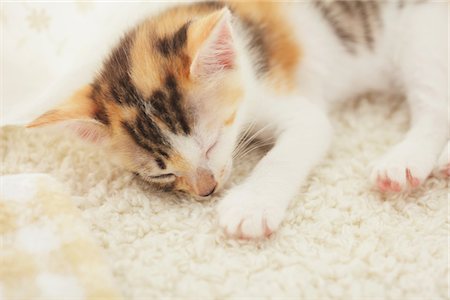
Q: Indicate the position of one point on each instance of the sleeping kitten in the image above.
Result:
(173, 97)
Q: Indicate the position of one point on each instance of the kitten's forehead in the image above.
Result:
(139, 76)
(154, 57)
(146, 79)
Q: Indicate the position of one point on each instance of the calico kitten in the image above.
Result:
(174, 95)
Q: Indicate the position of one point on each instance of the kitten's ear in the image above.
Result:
(78, 114)
(211, 45)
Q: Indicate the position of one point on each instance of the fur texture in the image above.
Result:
(174, 95)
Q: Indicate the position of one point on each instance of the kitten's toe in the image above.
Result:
(396, 172)
(256, 226)
(244, 217)
(395, 181)
(386, 184)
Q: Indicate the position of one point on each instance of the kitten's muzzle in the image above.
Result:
(209, 193)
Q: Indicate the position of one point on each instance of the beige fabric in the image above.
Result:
(47, 251)
(341, 239)
(51, 48)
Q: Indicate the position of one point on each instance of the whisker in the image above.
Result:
(245, 143)
(243, 137)
(256, 144)
(252, 149)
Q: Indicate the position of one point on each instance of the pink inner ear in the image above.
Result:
(89, 132)
(225, 53)
(217, 55)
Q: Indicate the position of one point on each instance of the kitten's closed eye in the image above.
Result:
(210, 149)
(163, 176)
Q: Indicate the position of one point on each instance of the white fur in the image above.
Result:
(409, 56)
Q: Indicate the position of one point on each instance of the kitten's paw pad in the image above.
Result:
(244, 217)
(396, 173)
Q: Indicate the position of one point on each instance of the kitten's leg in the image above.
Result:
(408, 164)
(411, 161)
(256, 208)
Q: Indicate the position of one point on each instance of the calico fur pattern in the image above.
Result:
(174, 95)
(166, 102)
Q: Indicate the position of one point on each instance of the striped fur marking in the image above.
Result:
(136, 137)
(355, 23)
(175, 98)
(101, 113)
(161, 110)
(117, 73)
(174, 44)
(257, 42)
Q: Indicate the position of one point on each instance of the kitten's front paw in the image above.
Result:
(242, 214)
(400, 170)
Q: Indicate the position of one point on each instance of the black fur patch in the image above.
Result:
(159, 103)
(258, 43)
(174, 44)
(355, 23)
(213, 5)
(136, 137)
(175, 98)
(117, 73)
(329, 12)
(101, 114)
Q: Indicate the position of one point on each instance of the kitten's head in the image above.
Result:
(166, 103)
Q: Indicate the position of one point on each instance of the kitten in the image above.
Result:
(173, 97)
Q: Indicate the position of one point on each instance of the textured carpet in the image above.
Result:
(341, 238)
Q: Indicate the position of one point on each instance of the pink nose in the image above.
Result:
(205, 182)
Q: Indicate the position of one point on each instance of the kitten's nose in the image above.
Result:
(210, 192)
(206, 183)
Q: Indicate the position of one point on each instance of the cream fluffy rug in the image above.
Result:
(341, 238)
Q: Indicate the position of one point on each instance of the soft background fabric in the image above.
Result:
(51, 49)
(47, 252)
(341, 238)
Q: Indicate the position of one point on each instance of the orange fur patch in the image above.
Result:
(283, 50)
(200, 30)
(145, 67)
(231, 119)
(80, 106)
(179, 163)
